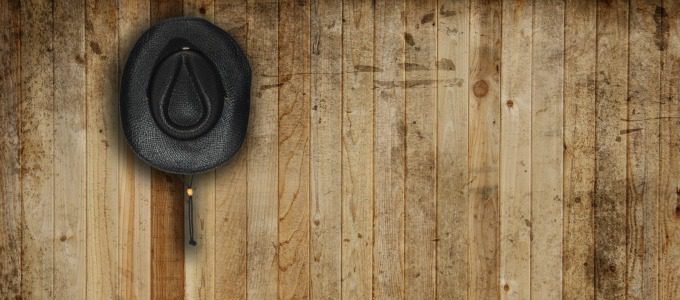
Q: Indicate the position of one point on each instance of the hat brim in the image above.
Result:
(146, 138)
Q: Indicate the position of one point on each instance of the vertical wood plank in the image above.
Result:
(10, 186)
(610, 157)
(294, 118)
(453, 42)
(421, 111)
(390, 150)
(37, 146)
(516, 163)
(231, 184)
(668, 33)
(579, 148)
(167, 206)
(199, 260)
(70, 190)
(642, 135)
(357, 149)
(547, 148)
(262, 265)
(103, 240)
(325, 149)
(484, 147)
(135, 176)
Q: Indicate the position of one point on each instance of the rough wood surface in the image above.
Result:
(397, 149)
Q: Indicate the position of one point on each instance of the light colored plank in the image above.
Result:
(10, 187)
(325, 150)
(135, 176)
(37, 149)
(103, 223)
(579, 149)
(484, 148)
(231, 185)
(262, 265)
(669, 156)
(70, 199)
(547, 148)
(516, 163)
(642, 135)
(453, 44)
(199, 260)
(167, 206)
(420, 85)
(610, 157)
(390, 150)
(357, 149)
(293, 151)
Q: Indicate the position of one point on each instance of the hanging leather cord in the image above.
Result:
(190, 194)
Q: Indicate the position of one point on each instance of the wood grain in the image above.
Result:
(580, 56)
(390, 150)
(547, 147)
(37, 148)
(70, 173)
(484, 148)
(263, 255)
(231, 184)
(357, 149)
(453, 41)
(10, 186)
(326, 61)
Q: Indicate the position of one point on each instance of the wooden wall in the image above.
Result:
(450, 149)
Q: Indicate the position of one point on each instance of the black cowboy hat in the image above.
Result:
(185, 96)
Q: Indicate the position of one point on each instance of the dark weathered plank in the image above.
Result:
(10, 188)
(453, 41)
(547, 148)
(644, 74)
(484, 147)
(579, 148)
(294, 117)
(262, 265)
(231, 184)
(610, 157)
(667, 22)
(325, 150)
(390, 150)
(357, 149)
(37, 148)
(167, 207)
(70, 173)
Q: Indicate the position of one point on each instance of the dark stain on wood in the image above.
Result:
(413, 67)
(446, 64)
(95, 48)
(446, 13)
(409, 39)
(365, 68)
(427, 18)
(662, 27)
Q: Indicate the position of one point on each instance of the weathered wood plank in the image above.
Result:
(453, 43)
(231, 184)
(579, 149)
(37, 146)
(70, 173)
(294, 118)
(262, 265)
(325, 149)
(644, 74)
(547, 148)
(484, 148)
(390, 150)
(667, 31)
(167, 206)
(357, 149)
(199, 260)
(103, 236)
(134, 175)
(10, 186)
(420, 83)
(610, 156)
(515, 161)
